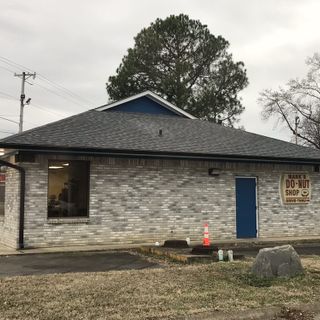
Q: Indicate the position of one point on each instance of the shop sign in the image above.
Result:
(295, 188)
(2, 178)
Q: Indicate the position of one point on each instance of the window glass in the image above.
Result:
(68, 189)
(2, 192)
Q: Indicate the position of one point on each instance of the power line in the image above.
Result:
(11, 132)
(8, 95)
(58, 90)
(45, 109)
(45, 79)
(57, 94)
(4, 68)
(56, 86)
(64, 89)
(16, 122)
(3, 118)
(14, 64)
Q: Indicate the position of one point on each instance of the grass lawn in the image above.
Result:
(162, 293)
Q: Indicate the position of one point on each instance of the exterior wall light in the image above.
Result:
(215, 172)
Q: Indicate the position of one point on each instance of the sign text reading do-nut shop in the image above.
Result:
(295, 188)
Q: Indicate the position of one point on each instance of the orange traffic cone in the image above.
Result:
(206, 241)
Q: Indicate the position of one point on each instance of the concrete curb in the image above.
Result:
(6, 251)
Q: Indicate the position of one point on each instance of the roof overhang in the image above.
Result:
(157, 154)
(153, 97)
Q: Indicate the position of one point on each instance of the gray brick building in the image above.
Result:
(141, 170)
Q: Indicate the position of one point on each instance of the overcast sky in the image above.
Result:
(78, 44)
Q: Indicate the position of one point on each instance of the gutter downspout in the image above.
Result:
(22, 199)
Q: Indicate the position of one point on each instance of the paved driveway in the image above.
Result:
(30, 264)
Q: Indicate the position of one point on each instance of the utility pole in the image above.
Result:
(24, 76)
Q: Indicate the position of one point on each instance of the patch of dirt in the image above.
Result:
(294, 314)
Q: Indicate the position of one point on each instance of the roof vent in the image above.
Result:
(160, 132)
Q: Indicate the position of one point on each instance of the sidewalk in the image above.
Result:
(238, 243)
(257, 242)
(7, 251)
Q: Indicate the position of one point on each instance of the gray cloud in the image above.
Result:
(78, 44)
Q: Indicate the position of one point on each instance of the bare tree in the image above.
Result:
(300, 98)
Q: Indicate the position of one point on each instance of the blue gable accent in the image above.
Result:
(143, 105)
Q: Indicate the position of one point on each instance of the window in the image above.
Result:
(2, 193)
(68, 189)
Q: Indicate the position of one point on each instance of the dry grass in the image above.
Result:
(151, 294)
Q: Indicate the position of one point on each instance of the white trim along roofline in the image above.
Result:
(152, 96)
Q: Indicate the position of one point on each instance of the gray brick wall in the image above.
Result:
(277, 220)
(139, 201)
(9, 223)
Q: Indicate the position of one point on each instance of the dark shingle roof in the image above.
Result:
(140, 132)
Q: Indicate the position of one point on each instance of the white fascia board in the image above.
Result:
(152, 96)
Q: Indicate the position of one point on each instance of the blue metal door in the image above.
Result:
(246, 207)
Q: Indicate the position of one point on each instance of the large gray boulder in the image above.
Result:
(282, 261)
